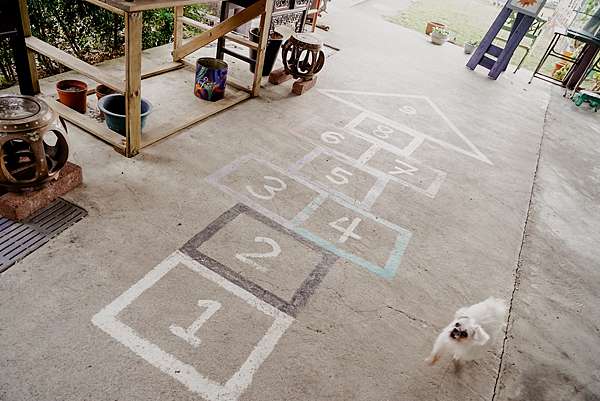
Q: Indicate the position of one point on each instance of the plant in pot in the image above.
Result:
(561, 73)
(470, 46)
(433, 24)
(439, 36)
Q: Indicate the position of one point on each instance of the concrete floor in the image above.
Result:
(432, 164)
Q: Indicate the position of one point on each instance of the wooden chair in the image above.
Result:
(531, 37)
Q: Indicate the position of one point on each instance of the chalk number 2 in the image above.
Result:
(273, 253)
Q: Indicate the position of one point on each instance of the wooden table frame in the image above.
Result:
(131, 85)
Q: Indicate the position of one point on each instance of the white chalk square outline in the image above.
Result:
(381, 179)
(404, 235)
(431, 191)
(186, 374)
(418, 137)
(217, 177)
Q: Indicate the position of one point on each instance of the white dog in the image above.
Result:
(474, 327)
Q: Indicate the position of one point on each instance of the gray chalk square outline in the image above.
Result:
(302, 294)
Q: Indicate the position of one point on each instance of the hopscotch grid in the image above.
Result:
(391, 266)
(301, 295)
(418, 138)
(369, 199)
(215, 180)
(107, 321)
(430, 192)
(375, 192)
(475, 153)
(305, 214)
(393, 262)
(369, 154)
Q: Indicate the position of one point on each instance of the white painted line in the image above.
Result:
(189, 334)
(375, 192)
(309, 157)
(474, 152)
(216, 178)
(368, 155)
(308, 210)
(417, 140)
(413, 146)
(186, 374)
(364, 203)
(402, 240)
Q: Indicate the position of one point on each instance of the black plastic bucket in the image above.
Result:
(271, 53)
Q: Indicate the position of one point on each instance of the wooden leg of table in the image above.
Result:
(178, 28)
(265, 28)
(24, 57)
(133, 77)
(221, 41)
(316, 15)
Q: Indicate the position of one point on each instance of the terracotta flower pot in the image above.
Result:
(101, 91)
(73, 94)
(431, 25)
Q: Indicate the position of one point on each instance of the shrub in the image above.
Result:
(86, 31)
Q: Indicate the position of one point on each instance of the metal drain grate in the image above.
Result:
(18, 240)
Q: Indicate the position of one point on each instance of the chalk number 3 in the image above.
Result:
(278, 186)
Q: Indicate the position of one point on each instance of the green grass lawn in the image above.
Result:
(468, 20)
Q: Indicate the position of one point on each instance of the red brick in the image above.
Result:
(19, 206)
(301, 86)
(279, 76)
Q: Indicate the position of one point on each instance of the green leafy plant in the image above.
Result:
(88, 32)
(561, 73)
(441, 31)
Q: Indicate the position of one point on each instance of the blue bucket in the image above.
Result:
(113, 107)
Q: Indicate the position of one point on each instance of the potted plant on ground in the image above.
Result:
(73, 94)
(439, 36)
(431, 25)
(470, 46)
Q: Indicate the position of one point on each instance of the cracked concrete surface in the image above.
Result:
(360, 336)
(553, 339)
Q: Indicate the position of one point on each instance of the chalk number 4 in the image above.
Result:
(347, 232)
